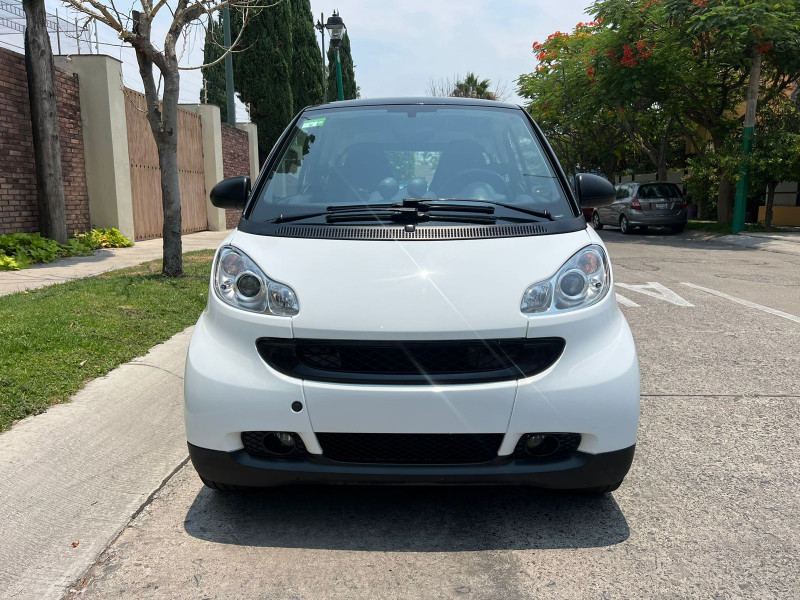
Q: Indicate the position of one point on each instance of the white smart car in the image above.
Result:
(412, 295)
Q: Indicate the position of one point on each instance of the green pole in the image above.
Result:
(339, 75)
(226, 32)
(742, 187)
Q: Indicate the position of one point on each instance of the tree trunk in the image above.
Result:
(44, 121)
(163, 119)
(770, 201)
(725, 193)
(167, 144)
(725, 200)
(662, 168)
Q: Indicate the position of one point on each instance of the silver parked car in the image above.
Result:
(643, 205)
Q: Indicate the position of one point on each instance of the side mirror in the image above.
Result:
(231, 193)
(594, 191)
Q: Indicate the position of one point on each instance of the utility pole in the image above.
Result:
(226, 32)
(742, 187)
(320, 26)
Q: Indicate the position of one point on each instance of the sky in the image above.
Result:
(397, 47)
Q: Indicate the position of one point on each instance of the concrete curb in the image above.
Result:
(781, 243)
(81, 469)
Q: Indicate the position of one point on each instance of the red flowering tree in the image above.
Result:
(561, 100)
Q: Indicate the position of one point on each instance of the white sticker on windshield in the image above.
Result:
(313, 123)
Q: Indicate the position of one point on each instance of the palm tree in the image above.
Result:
(472, 87)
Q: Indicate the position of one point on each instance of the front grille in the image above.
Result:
(411, 362)
(410, 448)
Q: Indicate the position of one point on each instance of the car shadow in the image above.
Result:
(407, 519)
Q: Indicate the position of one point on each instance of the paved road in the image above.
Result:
(709, 510)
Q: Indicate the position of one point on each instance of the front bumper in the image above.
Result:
(656, 220)
(581, 470)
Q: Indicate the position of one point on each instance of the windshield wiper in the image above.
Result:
(542, 214)
(406, 217)
(411, 211)
(414, 210)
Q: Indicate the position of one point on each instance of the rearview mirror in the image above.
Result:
(231, 193)
(594, 191)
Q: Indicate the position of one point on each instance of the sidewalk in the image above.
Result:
(77, 267)
(81, 469)
(781, 242)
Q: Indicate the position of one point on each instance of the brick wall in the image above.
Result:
(18, 206)
(235, 161)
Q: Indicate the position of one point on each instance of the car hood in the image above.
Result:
(455, 289)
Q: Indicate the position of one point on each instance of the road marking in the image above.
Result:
(626, 302)
(767, 309)
(656, 290)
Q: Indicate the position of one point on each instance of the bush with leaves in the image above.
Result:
(21, 250)
(104, 238)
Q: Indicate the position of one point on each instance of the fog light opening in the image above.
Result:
(540, 445)
(279, 443)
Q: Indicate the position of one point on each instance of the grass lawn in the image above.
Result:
(714, 227)
(56, 339)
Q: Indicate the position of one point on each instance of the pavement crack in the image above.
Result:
(91, 573)
(144, 364)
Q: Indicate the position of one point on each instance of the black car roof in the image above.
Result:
(413, 100)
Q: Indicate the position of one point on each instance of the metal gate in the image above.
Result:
(148, 215)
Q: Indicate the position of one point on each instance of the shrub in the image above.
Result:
(104, 238)
(21, 250)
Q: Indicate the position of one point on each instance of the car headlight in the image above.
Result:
(582, 281)
(239, 282)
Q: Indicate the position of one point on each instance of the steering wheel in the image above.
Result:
(483, 175)
(361, 195)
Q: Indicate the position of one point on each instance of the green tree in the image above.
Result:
(306, 63)
(707, 49)
(776, 150)
(213, 91)
(349, 88)
(261, 71)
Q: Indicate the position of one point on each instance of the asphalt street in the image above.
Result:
(709, 510)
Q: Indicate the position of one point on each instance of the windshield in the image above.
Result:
(386, 154)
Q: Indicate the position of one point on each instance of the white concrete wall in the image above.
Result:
(252, 137)
(675, 177)
(105, 139)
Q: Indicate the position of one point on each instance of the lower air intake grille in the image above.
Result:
(410, 448)
(411, 362)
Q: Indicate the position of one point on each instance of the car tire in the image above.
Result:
(676, 229)
(624, 225)
(596, 221)
(599, 490)
(224, 487)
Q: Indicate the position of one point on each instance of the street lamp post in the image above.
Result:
(320, 26)
(226, 33)
(335, 27)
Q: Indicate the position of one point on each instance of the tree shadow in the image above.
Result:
(407, 519)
